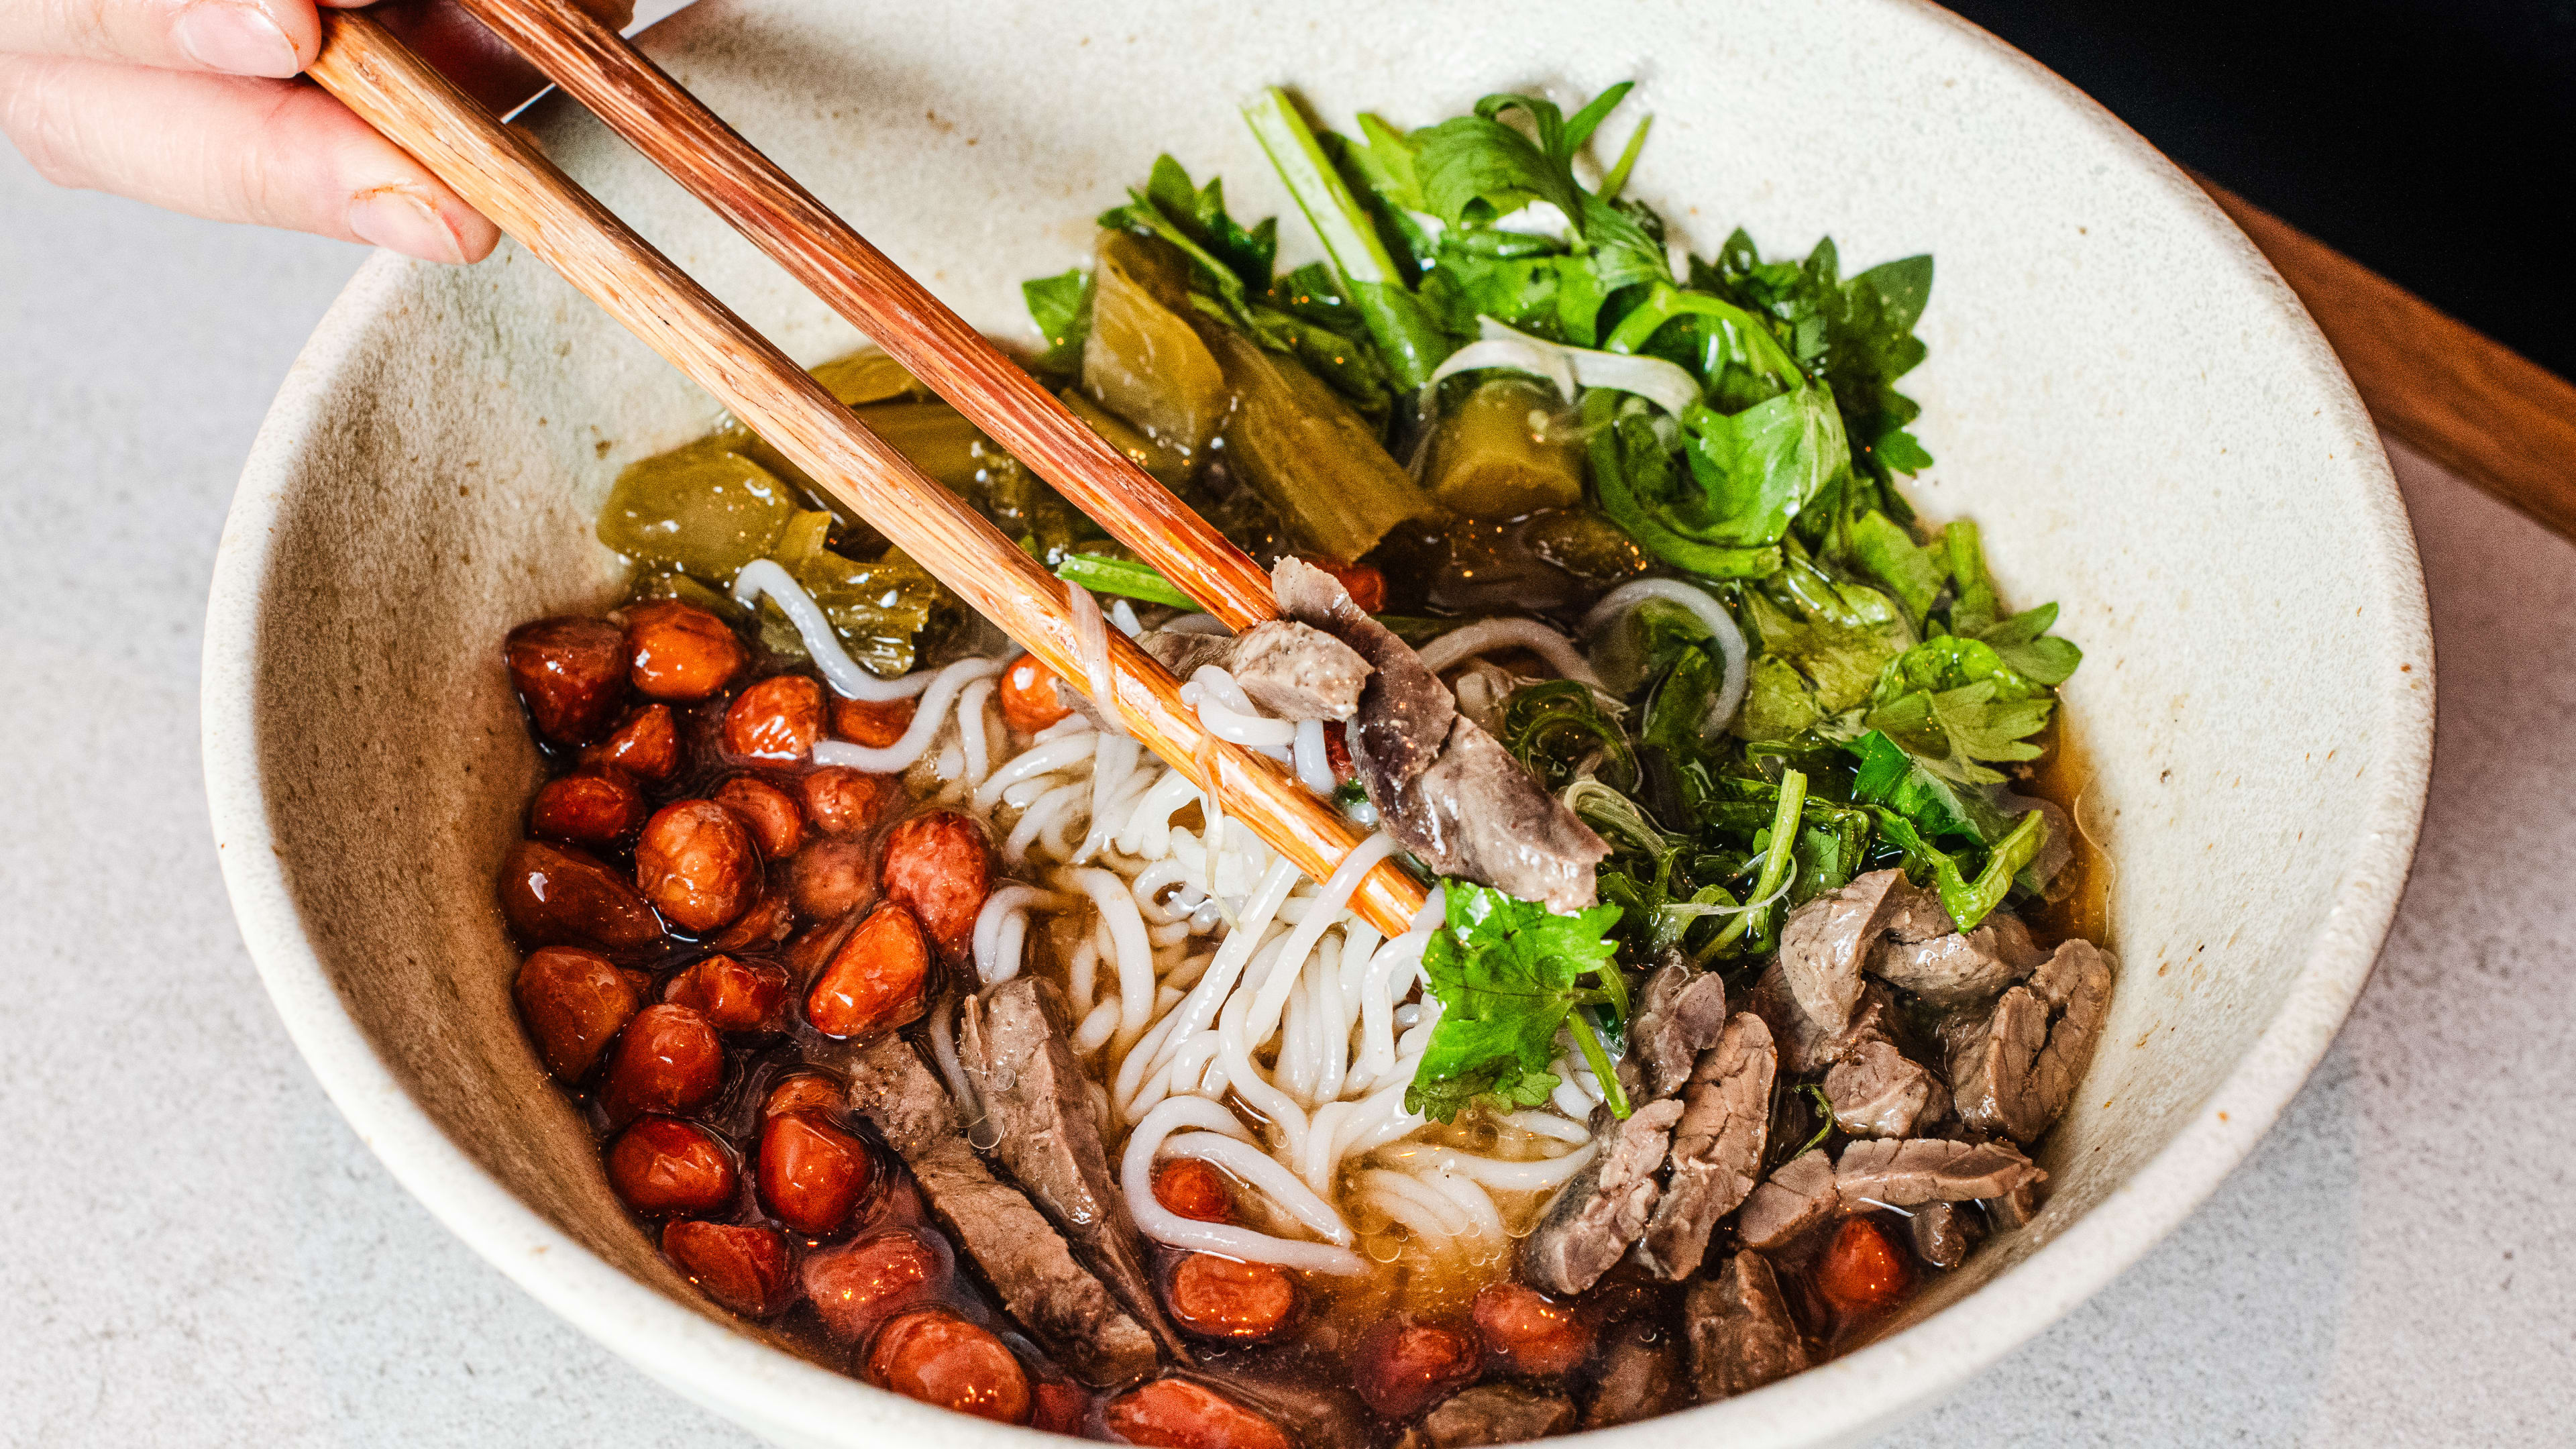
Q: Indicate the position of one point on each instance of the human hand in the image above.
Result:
(193, 105)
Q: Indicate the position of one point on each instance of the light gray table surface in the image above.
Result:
(195, 1250)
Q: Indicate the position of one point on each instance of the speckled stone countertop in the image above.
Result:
(194, 1250)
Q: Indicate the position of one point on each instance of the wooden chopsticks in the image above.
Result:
(676, 131)
(508, 180)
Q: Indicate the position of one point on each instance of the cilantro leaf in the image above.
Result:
(1955, 706)
(1968, 901)
(1509, 974)
(1885, 551)
(1892, 778)
(1974, 612)
(1837, 635)
(1757, 468)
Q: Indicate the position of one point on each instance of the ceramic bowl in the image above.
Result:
(2120, 391)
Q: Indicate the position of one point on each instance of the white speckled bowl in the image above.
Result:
(2119, 390)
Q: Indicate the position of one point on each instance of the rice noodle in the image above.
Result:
(928, 719)
(1136, 1177)
(846, 676)
(1459, 645)
(1006, 904)
(1731, 649)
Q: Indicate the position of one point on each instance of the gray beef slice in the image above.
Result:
(1878, 1091)
(1445, 789)
(1475, 812)
(1717, 1147)
(1900, 1174)
(1805, 1044)
(1741, 1334)
(890, 1087)
(1826, 941)
(1492, 1414)
(1952, 970)
(1294, 671)
(1052, 1295)
(1012, 1042)
(1640, 1377)
(2014, 1209)
(1404, 710)
(1598, 1214)
(2015, 1071)
(1790, 1201)
(1942, 1236)
(1680, 1014)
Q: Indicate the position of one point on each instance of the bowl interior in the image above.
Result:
(2118, 391)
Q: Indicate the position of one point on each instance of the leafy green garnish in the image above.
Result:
(1967, 901)
(1554, 726)
(1779, 852)
(1955, 706)
(2019, 640)
(1892, 778)
(1509, 974)
(1061, 307)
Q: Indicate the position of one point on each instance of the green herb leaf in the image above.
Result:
(1061, 308)
(1968, 901)
(1886, 552)
(1956, 706)
(1509, 974)
(1892, 778)
(1756, 469)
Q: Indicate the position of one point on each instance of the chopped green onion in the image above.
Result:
(1105, 575)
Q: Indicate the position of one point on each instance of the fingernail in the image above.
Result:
(229, 36)
(401, 222)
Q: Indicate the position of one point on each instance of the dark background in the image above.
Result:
(2433, 142)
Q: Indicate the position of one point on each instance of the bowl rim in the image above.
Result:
(776, 1392)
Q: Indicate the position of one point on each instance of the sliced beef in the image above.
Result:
(1915, 914)
(1013, 1043)
(1879, 1091)
(1404, 710)
(2014, 1070)
(1741, 1334)
(1930, 1169)
(1806, 1045)
(1293, 670)
(1717, 1147)
(1443, 787)
(1679, 1015)
(1942, 1233)
(1491, 1414)
(1791, 1201)
(1597, 1215)
(1029, 1265)
(1826, 941)
(1957, 970)
(1476, 812)
(1641, 1376)
(2014, 1209)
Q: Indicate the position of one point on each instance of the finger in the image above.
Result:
(235, 37)
(275, 153)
